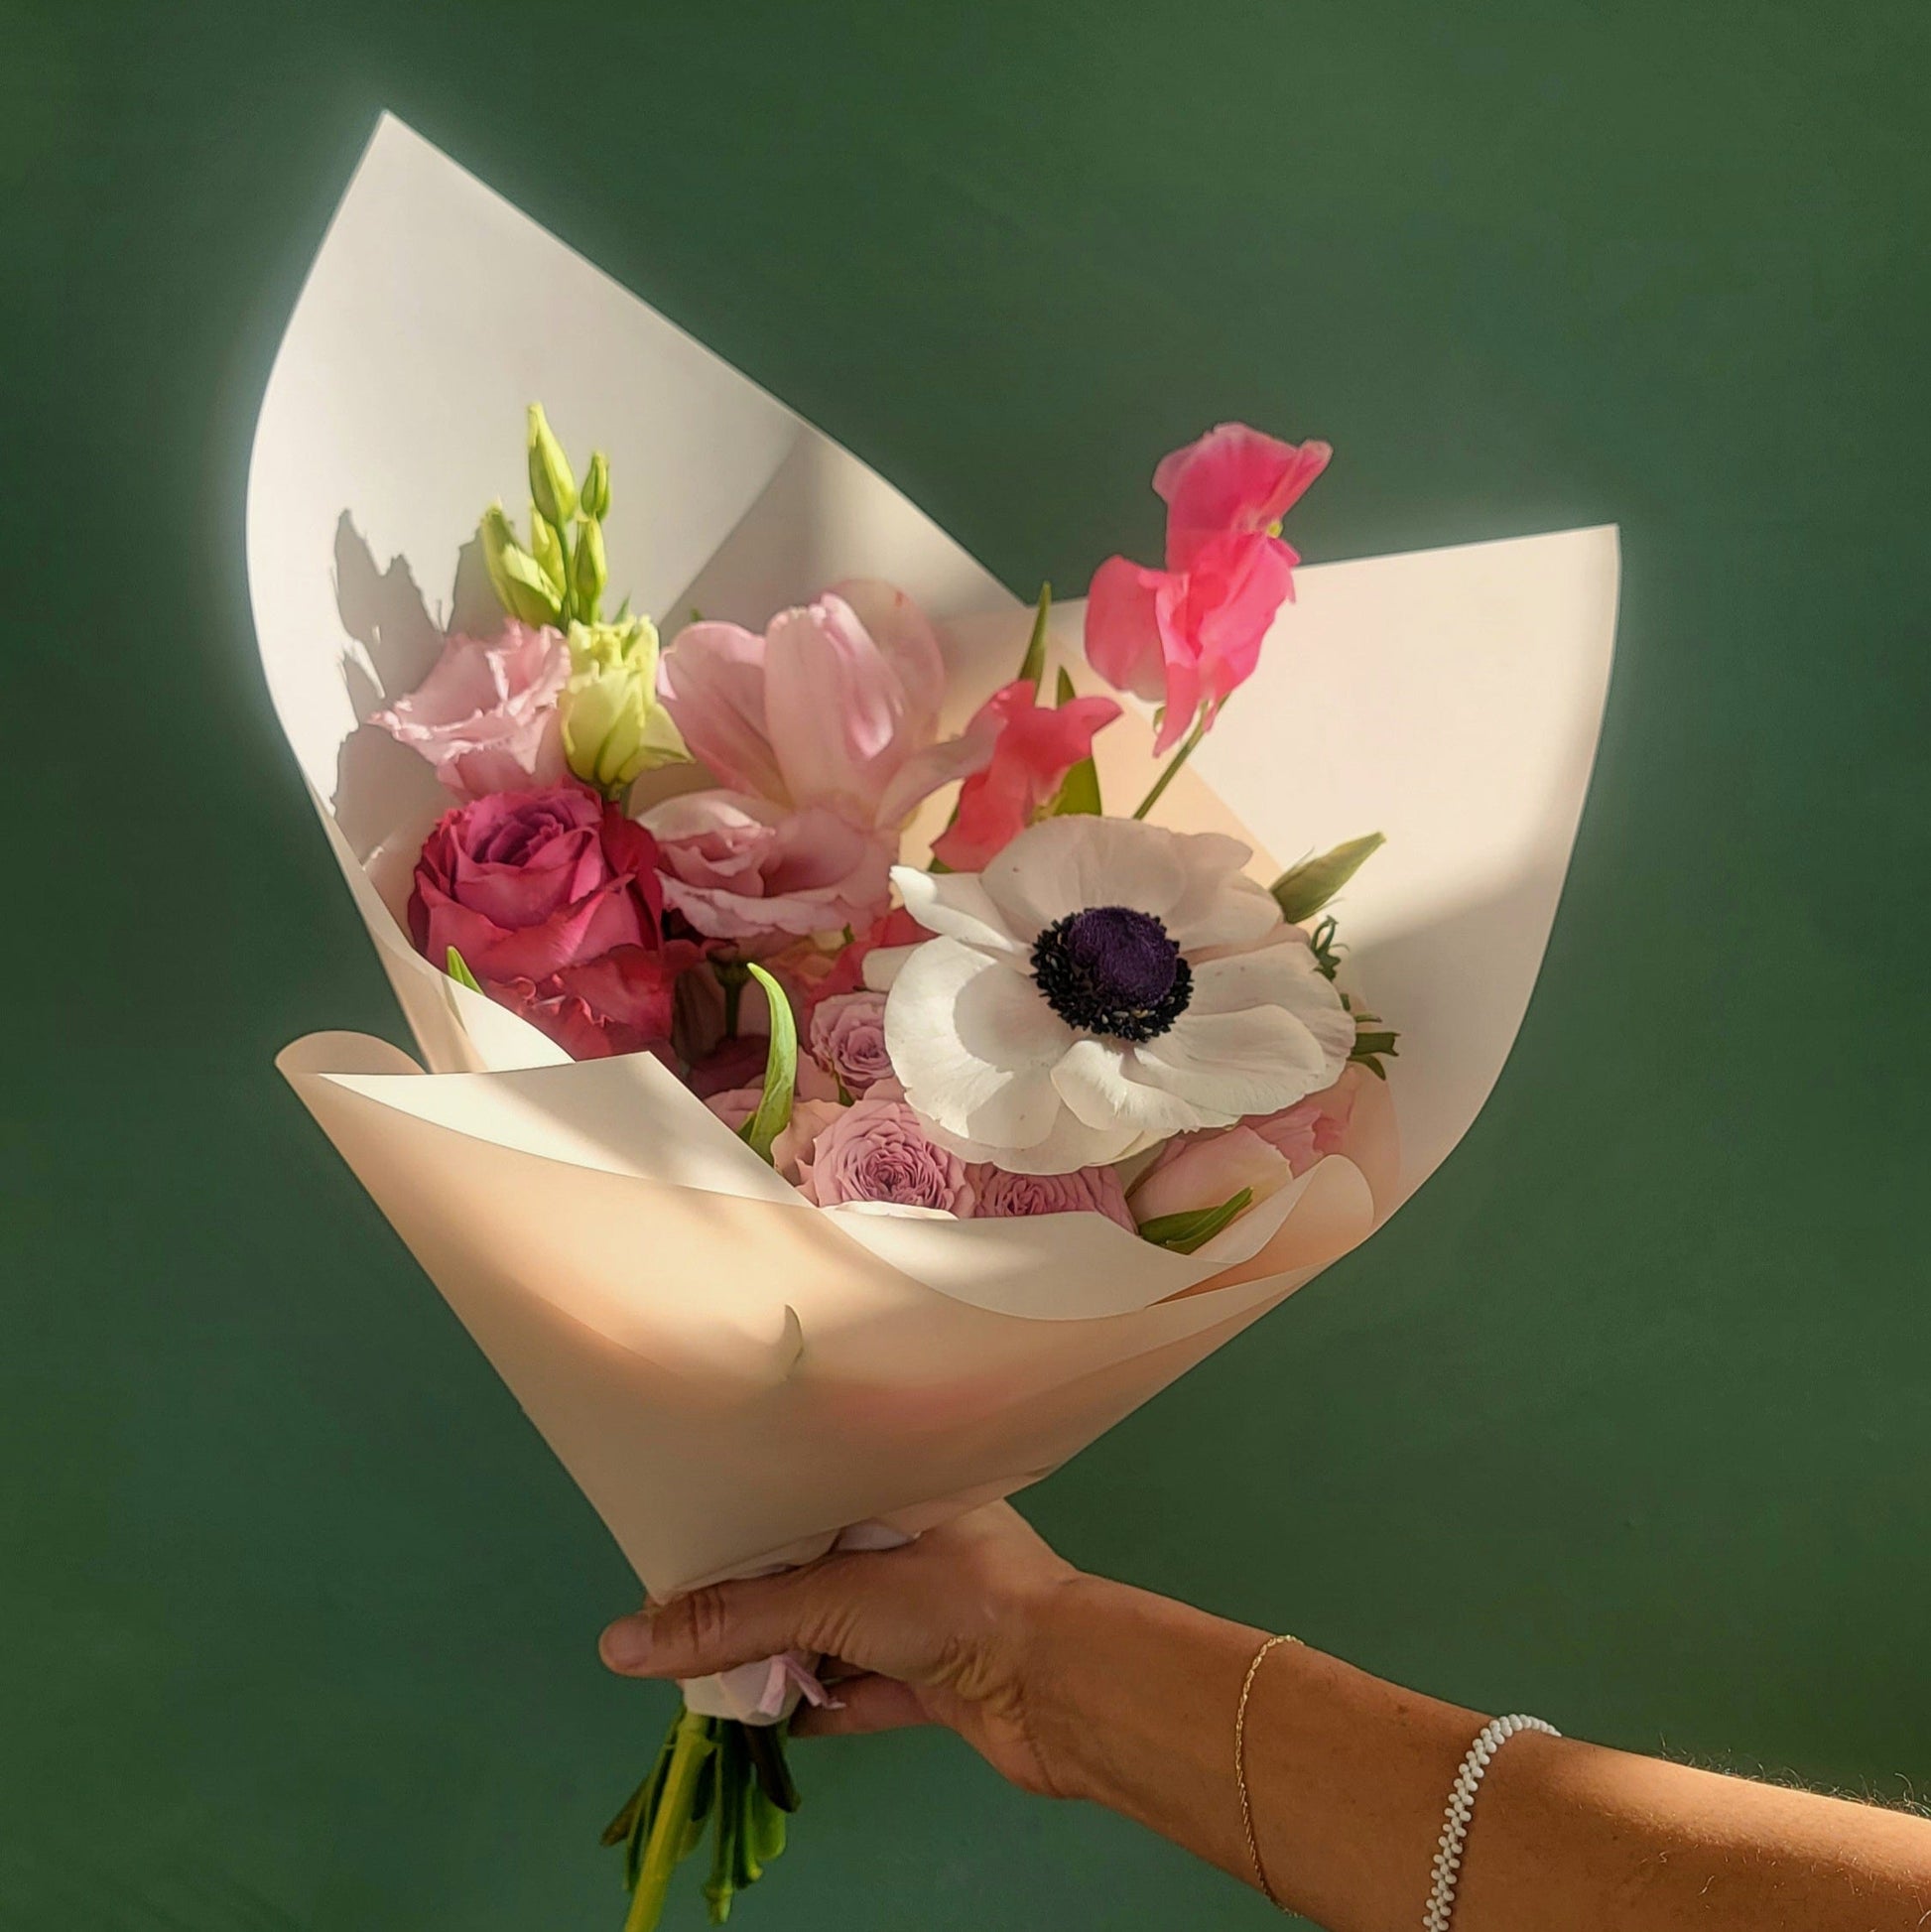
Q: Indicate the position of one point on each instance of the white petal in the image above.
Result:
(1224, 909)
(958, 904)
(1071, 1144)
(1278, 976)
(1064, 865)
(975, 1043)
(1225, 1065)
(1095, 1080)
(882, 966)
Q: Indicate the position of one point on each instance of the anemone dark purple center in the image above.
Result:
(1113, 969)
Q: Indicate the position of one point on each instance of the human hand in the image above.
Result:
(958, 1628)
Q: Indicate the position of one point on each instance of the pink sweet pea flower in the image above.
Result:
(1034, 746)
(1232, 479)
(487, 717)
(1186, 636)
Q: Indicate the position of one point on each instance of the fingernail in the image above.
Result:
(625, 1645)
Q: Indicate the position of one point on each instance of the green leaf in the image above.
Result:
(1369, 1044)
(1079, 790)
(1302, 891)
(1184, 1232)
(1033, 665)
(780, 1070)
(459, 969)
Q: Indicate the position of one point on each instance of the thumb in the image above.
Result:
(722, 1626)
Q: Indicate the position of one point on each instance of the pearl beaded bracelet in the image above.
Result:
(1460, 1808)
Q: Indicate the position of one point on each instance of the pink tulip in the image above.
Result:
(485, 716)
(1034, 746)
(835, 706)
(1232, 478)
(1186, 636)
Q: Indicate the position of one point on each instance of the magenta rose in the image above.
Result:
(552, 901)
(526, 883)
(620, 1002)
(486, 715)
(1086, 1191)
(875, 1150)
(847, 1040)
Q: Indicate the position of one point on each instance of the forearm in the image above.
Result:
(1348, 1777)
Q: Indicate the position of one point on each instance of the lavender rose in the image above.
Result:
(1086, 1191)
(875, 1150)
(848, 1039)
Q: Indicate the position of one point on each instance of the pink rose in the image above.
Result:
(876, 1150)
(1232, 478)
(1263, 1153)
(1186, 636)
(526, 883)
(1034, 746)
(485, 716)
(738, 868)
(1086, 1191)
(848, 1039)
(808, 1120)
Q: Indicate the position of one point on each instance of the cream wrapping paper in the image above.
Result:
(733, 1377)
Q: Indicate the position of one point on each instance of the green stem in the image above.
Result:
(1173, 764)
(692, 1747)
(734, 976)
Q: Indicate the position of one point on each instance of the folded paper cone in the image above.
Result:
(732, 1377)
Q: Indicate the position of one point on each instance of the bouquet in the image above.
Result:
(866, 1058)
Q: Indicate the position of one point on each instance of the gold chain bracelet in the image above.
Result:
(1241, 1765)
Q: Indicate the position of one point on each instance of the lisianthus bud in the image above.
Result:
(547, 547)
(587, 571)
(551, 482)
(522, 585)
(595, 500)
(613, 725)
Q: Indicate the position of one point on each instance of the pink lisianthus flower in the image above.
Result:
(1233, 480)
(1034, 746)
(741, 869)
(831, 718)
(846, 1037)
(1085, 1190)
(1263, 1153)
(1186, 636)
(486, 715)
(876, 1150)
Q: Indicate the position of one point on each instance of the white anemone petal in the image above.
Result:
(975, 1043)
(956, 904)
(1224, 909)
(1070, 1145)
(1068, 865)
(1227, 1065)
(1095, 1080)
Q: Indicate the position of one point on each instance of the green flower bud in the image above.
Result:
(587, 571)
(547, 547)
(597, 488)
(522, 587)
(551, 481)
(613, 725)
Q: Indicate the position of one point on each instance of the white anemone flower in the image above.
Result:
(1102, 985)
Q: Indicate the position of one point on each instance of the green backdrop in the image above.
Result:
(1624, 1421)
